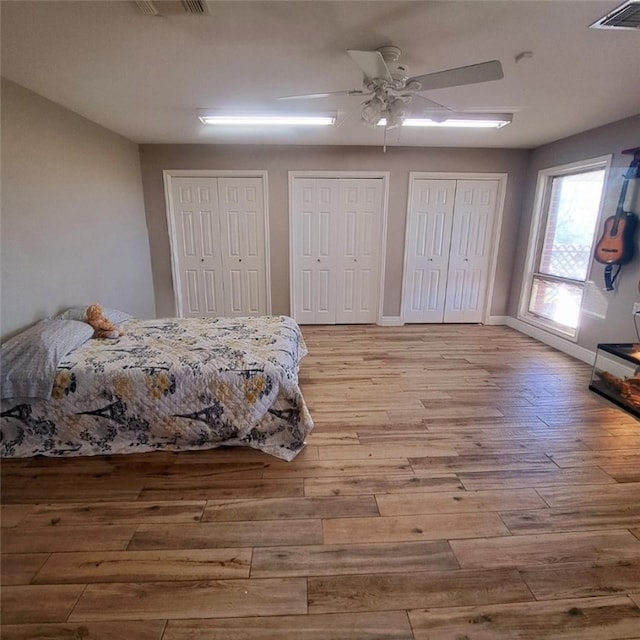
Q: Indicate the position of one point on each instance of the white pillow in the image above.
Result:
(79, 313)
(30, 359)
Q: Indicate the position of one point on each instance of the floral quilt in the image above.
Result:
(171, 384)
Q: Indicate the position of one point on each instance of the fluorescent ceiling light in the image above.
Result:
(482, 121)
(313, 121)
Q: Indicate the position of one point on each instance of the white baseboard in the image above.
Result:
(391, 321)
(570, 348)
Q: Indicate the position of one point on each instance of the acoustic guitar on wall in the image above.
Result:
(616, 245)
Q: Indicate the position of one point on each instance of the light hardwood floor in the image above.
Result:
(462, 483)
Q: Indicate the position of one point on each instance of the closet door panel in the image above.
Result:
(199, 262)
(475, 206)
(358, 259)
(313, 250)
(213, 301)
(325, 295)
(191, 291)
(243, 245)
(427, 244)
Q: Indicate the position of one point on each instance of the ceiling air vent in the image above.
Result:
(147, 8)
(172, 7)
(198, 7)
(626, 16)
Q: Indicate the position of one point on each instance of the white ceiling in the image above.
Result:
(146, 77)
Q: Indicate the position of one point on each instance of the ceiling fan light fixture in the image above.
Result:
(391, 111)
(372, 111)
(268, 120)
(397, 111)
(391, 123)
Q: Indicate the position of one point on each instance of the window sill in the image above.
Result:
(549, 327)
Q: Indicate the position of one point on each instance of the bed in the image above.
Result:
(168, 384)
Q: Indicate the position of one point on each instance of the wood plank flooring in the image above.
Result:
(461, 483)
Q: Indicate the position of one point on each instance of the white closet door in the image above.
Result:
(475, 206)
(219, 245)
(357, 258)
(314, 249)
(427, 245)
(199, 269)
(241, 203)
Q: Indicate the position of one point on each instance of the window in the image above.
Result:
(567, 209)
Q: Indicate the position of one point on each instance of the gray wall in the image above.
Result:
(73, 224)
(278, 160)
(610, 139)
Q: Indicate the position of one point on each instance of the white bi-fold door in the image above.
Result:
(336, 231)
(448, 245)
(218, 239)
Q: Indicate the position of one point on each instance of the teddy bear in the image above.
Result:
(102, 326)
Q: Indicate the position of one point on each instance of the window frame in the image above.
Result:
(537, 233)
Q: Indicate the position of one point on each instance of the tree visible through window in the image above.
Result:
(566, 228)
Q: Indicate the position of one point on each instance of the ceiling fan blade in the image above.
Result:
(424, 104)
(472, 74)
(372, 64)
(326, 94)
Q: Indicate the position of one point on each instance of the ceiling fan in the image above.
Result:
(390, 89)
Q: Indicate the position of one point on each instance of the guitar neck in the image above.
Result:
(632, 173)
